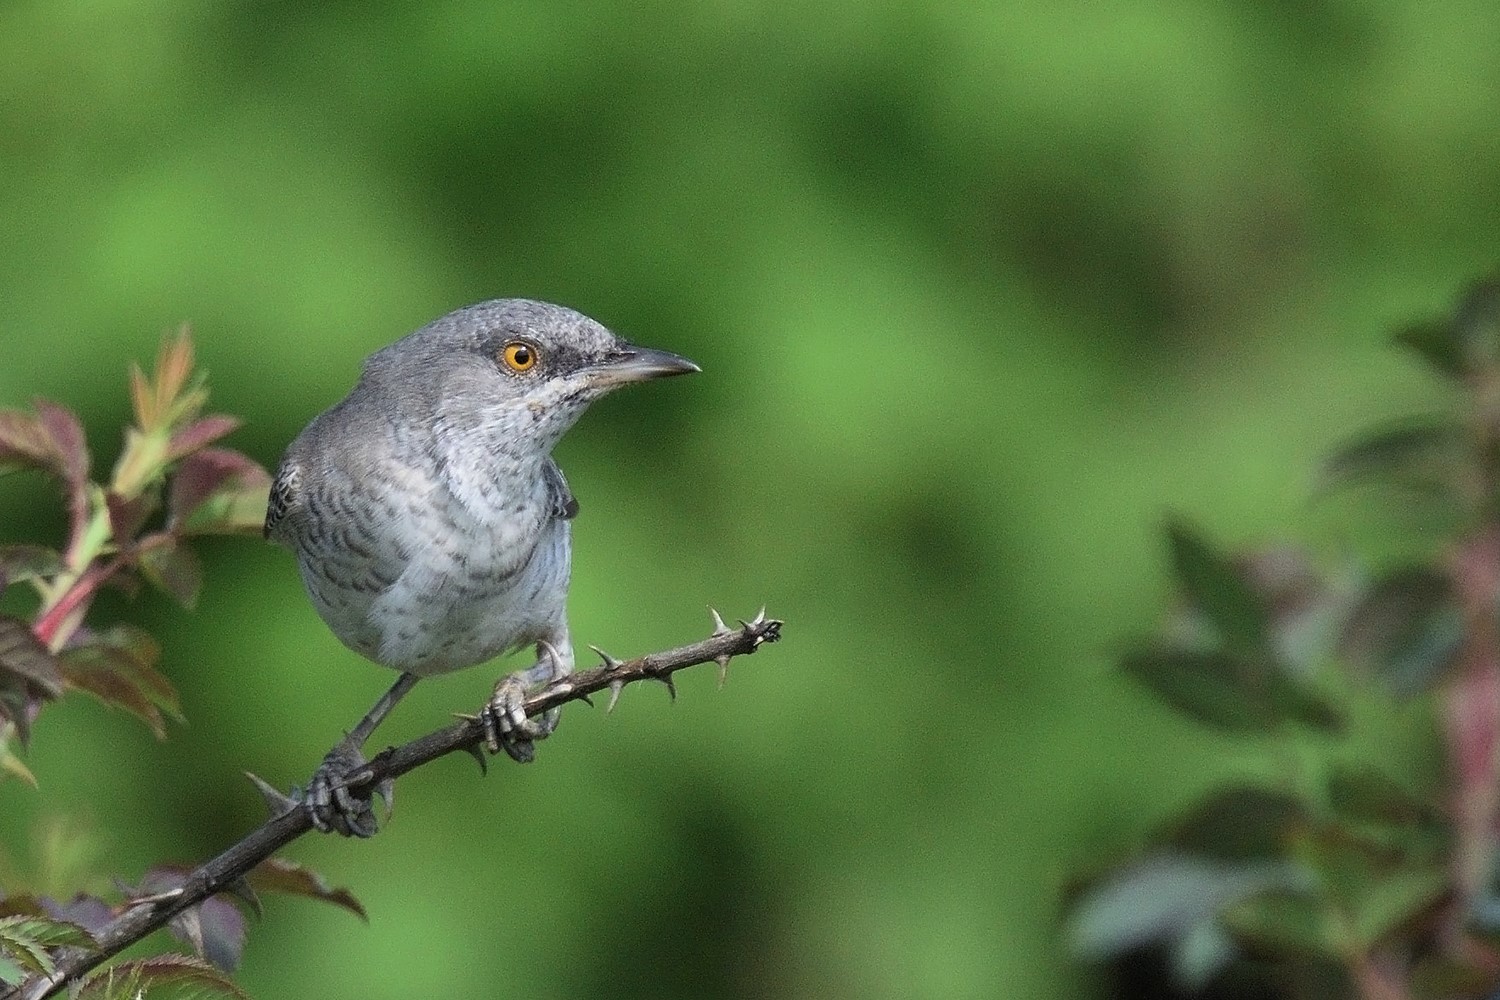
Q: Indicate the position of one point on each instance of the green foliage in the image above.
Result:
(1340, 865)
(27, 941)
(163, 977)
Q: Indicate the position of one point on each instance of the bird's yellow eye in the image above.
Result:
(519, 357)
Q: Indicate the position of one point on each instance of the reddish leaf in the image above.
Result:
(20, 700)
(69, 448)
(217, 491)
(28, 562)
(200, 434)
(175, 570)
(290, 878)
(118, 666)
(24, 442)
(127, 516)
(89, 912)
(24, 655)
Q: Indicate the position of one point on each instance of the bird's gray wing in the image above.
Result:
(564, 505)
(283, 496)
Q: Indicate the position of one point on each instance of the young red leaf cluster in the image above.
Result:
(170, 484)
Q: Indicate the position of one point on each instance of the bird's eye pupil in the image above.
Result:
(519, 357)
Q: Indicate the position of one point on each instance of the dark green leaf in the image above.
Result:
(1466, 344)
(1406, 630)
(1163, 897)
(1286, 921)
(1238, 823)
(1435, 454)
(1230, 692)
(1436, 342)
(1365, 794)
(290, 878)
(1217, 589)
(1396, 899)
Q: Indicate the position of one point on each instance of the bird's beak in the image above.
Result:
(637, 364)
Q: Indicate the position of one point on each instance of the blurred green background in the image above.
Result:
(980, 291)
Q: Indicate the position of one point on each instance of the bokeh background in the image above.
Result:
(980, 292)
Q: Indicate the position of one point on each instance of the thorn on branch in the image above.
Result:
(609, 661)
(719, 627)
(277, 803)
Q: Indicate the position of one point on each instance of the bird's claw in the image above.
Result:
(506, 726)
(330, 804)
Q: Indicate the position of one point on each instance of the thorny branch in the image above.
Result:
(227, 871)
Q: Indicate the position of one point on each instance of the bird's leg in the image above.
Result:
(328, 800)
(506, 726)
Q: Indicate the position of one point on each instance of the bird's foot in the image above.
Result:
(506, 725)
(330, 803)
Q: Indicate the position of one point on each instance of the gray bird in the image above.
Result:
(430, 523)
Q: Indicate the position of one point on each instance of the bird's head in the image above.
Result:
(517, 366)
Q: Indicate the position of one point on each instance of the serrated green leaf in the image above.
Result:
(1229, 692)
(27, 940)
(163, 977)
(1406, 630)
(1238, 823)
(10, 972)
(1217, 589)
